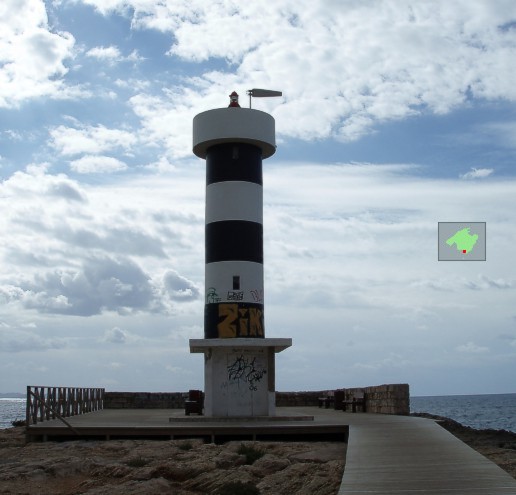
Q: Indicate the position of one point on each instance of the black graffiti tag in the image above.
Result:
(244, 370)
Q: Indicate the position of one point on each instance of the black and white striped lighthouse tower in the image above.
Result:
(239, 364)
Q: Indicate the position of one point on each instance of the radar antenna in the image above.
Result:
(262, 93)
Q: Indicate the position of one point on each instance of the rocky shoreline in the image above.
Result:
(179, 467)
(187, 467)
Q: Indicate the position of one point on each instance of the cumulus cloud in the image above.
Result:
(66, 189)
(375, 61)
(94, 164)
(104, 53)
(32, 56)
(34, 182)
(101, 284)
(477, 173)
(71, 141)
(112, 55)
(70, 249)
(179, 287)
(115, 335)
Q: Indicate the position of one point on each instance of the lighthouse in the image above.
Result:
(239, 373)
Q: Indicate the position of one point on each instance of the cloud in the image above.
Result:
(67, 190)
(120, 240)
(472, 348)
(32, 56)
(487, 283)
(17, 340)
(94, 164)
(104, 53)
(180, 288)
(375, 62)
(78, 256)
(112, 55)
(115, 335)
(130, 255)
(70, 141)
(34, 182)
(477, 173)
(101, 284)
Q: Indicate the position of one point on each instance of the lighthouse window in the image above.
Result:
(235, 153)
(236, 282)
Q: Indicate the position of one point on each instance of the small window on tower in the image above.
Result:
(235, 153)
(236, 282)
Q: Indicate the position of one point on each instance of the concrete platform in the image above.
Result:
(386, 455)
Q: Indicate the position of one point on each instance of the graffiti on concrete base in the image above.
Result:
(245, 370)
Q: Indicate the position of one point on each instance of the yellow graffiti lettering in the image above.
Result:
(227, 328)
(256, 319)
(243, 323)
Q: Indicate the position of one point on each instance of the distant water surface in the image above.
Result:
(11, 410)
(495, 411)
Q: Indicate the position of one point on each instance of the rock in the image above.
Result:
(322, 452)
(269, 464)
(150, 487)
(227, 460)
(303, 479)
(210, 482)
(181, 467)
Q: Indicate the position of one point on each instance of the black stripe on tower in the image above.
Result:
(234, 240)
(234, 162)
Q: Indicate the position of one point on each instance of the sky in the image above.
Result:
(395, 115)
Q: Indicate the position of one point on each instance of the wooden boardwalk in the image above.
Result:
(386, 455)
(400, 455)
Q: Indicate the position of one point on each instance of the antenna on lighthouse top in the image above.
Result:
(262, 93)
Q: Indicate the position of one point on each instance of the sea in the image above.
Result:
(11, 410)
(493, 411)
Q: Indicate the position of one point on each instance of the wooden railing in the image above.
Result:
(46, 403)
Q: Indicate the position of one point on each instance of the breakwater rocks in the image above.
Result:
(181, 467)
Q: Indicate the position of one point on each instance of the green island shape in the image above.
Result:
(463, 240)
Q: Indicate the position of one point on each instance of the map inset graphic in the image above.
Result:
(462, 241)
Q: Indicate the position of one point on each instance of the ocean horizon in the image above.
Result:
(485, 411)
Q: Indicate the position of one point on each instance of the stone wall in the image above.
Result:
(145, 400)
(384, 399)
(299, 399)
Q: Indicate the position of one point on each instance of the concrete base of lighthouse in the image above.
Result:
(239, 375)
